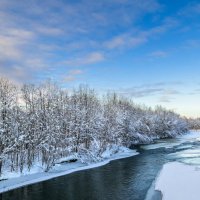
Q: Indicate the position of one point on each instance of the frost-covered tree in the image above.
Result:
(194, 123)
(8, 99)
(44, 123)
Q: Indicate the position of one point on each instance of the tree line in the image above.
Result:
(194, 123)
(44, 123)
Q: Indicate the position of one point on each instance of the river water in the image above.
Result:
(124, 179)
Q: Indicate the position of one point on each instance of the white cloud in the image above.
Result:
(69, 78)
(40, 38)
(72, 75)
(137, 37)
(160, 89)
(76, 72)
(88, 59)
(115, 42)
(165, 99)
(50, 31)
(124, 41)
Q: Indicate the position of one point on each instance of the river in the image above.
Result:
(123, 179)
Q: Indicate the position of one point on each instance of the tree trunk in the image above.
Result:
(1, 167)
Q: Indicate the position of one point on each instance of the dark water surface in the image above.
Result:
(124, 179)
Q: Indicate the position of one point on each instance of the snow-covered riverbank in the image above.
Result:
(180, 180)
(14, 182)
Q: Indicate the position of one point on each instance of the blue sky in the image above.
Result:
(147, 50)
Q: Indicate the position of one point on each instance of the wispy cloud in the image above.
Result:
(137, 37)
(124, 41)
(195, 92)
(191, 9)
(168, 95)
(50, 31)
(165, 99)
(137, 93)
(76, 72)
(69, 78)
(88, 59)
(40, 36)
(192, 43)
(72, 75)
(163, 90)
(12, 42)
(45, 34)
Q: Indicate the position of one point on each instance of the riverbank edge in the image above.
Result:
(185, 187)
(25, 180)
(153, 193)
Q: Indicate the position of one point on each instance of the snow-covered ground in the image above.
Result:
(16, 180)
(180, 180)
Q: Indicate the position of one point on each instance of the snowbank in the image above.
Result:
(179, 182)
(166, 145)
(170, 143)
(60, 170)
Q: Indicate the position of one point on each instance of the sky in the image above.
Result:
(147, 50)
